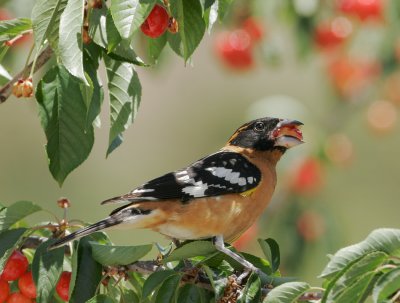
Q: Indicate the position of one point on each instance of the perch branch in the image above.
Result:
(43, 57)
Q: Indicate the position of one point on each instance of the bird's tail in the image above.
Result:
(107, 222)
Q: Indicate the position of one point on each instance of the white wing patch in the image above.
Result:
(229, 175)
(197, 190)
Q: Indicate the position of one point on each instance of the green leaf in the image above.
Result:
(45, 21)
(12, 28)
(62, 111)
(270, 249)
(155, 46)
(189, 293)
(46, 270)
(190, 250)
(16, 212)
(113, 36)
(168, 288)
(188, 13)
(124, 52)
(351, 274)
(260, 263)
(287, 293)
(88, 272)
(119, 255)
(386, 286)
(154, 281)
(385, 240)
(97, 26)
(223, 6)
(252, 291)
(91, 57)
(125, 93)
(9, 239)
(356, 292)
(128, 15)
(70, 44)
(101, 299)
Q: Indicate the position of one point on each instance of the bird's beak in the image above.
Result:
(287, 133)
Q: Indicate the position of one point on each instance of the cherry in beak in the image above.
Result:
(287, 133)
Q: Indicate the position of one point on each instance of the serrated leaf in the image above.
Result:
(189, 293)
(155, 46)
(88, 272)
(119, 255)
(70, 44)
(287, 293)
(101, 299)
(190, 250)
(8, 240)
(128, 15)
(154, 281)
(125, 94)
(46, 270)
(385, 240)
(14, 27)
(351, 275)
(188, 13)
(167, 290)
(62, 111)
(270, 249)
(252, 291)
(45, 21)
(16, 212)
(387, 285)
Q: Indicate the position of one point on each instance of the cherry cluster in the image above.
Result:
(16, 276)
(235, 48)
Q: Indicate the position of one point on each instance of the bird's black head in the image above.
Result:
(268, 134)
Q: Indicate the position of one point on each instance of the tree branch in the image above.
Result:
(43, 57)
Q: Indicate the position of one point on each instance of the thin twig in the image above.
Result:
(43, 57)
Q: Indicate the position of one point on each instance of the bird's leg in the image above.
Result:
(218, 242)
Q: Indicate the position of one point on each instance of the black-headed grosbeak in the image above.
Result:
(218, 196)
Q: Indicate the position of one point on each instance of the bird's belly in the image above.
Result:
(228, 215)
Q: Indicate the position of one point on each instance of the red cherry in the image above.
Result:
(4, 290)
(17, 297)
(156, 23)
(62, 287)
(246, 237)
(235, 49)
(27, 286)
(333, 33)
(16, 265)
(349, 76)
(363, 9)
(254, 28)
(308, 178)
(310, 225)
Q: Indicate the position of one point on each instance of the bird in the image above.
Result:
(219, 196)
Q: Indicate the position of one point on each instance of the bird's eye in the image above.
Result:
(259, 126)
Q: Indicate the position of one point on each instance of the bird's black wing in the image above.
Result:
(218, 174)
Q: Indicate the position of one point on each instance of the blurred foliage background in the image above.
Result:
(330, 64)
